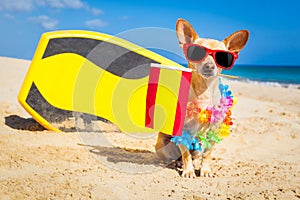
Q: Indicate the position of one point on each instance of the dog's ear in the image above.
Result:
(185, 32)
(236, 41)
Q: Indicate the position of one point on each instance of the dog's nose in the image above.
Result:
(209, 66)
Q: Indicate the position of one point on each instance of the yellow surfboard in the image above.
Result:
(95, 74)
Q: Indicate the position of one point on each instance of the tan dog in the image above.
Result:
(203, 84)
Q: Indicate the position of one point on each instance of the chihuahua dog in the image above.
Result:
(203, 84)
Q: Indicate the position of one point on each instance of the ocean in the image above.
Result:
(277, 75)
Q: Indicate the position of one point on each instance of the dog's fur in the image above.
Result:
(203, 81)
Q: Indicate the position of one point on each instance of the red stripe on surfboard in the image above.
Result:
(182, 102)
(151, 96)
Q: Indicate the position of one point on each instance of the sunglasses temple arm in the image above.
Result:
(229, 76)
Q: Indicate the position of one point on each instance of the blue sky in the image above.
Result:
(274, 25)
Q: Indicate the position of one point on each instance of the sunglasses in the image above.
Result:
(197, 53)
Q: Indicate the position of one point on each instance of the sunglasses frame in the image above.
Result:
(210, 52)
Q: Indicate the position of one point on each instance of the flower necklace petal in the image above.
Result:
(217, 116)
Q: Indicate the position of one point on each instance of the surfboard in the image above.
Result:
(96, 74)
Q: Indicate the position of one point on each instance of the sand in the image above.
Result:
(259, 160)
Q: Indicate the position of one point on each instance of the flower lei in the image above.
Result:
(217, 118)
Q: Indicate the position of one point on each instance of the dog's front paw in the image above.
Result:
(188, 170)
(205, 170)
(188, 174)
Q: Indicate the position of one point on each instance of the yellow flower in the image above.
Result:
(223, 131)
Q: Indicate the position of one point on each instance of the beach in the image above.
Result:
(259, 160)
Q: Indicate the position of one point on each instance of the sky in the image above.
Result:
(274, 25)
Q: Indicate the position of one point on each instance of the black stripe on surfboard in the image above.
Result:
(113, 58)
(59, 118)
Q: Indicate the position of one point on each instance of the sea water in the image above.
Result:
(278, 75)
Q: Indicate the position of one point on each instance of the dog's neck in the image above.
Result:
(203, 90)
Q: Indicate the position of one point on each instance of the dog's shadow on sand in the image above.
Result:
(20, 123)
(118, 154)
(137, 157)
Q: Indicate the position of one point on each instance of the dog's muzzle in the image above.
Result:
(208, 70)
